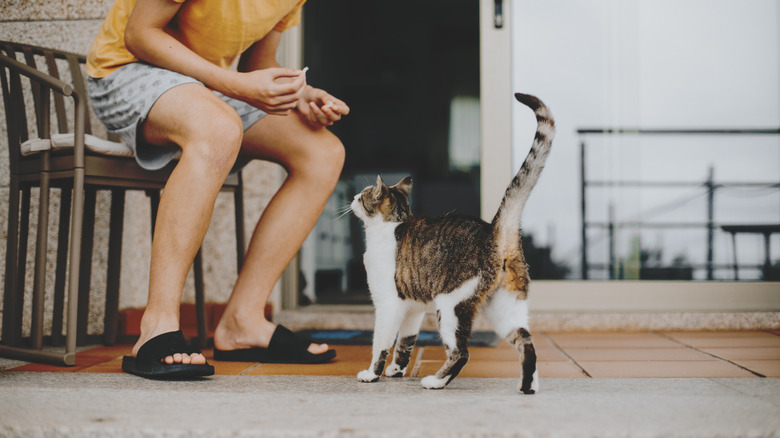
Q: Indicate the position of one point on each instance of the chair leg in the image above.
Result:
(21, 264)
(41, 253)
(10, 334)
(62, 261)
(154, 200)
(76, 229)
(111, 321)
(200, 305)
(238, 202)
(85, 273)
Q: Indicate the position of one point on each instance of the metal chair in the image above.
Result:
(78, 173)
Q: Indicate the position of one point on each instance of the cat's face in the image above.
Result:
(380, 203)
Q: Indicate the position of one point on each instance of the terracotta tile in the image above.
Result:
(636, 354)
(508, 353)
(349, 361)
(667, 369)
(85, 358)
(434, 353)
(356, 352)
(428, 367)
(768, 368)
(611, 340)
(549, 370)
(759, 353)
(727, 339)
(336, 368)
(488, 369)
(112, 366)
(224, 368)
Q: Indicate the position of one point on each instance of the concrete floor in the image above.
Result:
(36, 404)
(638, 384)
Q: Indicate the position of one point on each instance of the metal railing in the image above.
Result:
(709, 185)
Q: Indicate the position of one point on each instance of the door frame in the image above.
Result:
(496, 106)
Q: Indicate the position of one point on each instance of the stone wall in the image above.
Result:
(72, 25)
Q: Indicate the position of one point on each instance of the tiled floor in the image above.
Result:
(582, 355)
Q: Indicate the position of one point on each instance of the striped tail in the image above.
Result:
(507, 219)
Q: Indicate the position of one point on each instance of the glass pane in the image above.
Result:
(671, 109)
(410, 73)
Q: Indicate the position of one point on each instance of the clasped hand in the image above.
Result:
(280, 90)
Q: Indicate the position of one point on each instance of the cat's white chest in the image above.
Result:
(379, 258)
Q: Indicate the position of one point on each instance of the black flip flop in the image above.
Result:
(285, 347)
(147, 362)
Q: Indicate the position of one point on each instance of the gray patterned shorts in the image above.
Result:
(122, 101)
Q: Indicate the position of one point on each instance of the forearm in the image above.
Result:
(146, 38)
(262, 54)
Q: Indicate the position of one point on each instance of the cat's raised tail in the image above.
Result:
(507, 219)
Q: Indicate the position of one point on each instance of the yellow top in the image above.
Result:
(217, 30)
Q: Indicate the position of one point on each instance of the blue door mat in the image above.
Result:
(365, 337)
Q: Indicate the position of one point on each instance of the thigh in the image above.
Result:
(289, 141)
(189, 114)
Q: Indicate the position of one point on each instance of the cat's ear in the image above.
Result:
(380, 189)
(405, 186)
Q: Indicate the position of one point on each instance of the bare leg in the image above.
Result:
(313, 160)
(210, 135)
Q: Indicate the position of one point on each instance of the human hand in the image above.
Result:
(320, 109)
(273, 90)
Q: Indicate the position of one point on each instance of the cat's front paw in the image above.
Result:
(433, 382)
(367, 376)
(393, 370)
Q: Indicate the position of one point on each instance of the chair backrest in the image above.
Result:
(26, 100)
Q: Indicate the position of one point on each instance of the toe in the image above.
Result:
(198, 359)
(186, 359)
(177, 358)
(318, 348)
(169, 360)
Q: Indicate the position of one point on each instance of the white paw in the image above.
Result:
(367, 376)
(432, 382)
(393, 370)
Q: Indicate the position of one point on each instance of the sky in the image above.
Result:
(671, 64)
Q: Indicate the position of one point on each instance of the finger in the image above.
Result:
(337, 106)
(320, 117)
(332, 114)
(292, 88)
(284, 72)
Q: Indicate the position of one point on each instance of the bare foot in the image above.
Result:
(150, 330)
(233, 336)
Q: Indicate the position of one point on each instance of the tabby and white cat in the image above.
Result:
(458, 263)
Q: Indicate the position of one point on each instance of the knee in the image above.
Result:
(215, 143)
(324, 162)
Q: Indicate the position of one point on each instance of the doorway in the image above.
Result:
(410, 72)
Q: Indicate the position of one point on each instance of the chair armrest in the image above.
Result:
(62, 88)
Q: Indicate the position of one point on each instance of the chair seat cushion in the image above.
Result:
(65, 141)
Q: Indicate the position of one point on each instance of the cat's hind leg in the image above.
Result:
(456, 315)
(407, 336)
(508, 313)
(389, 315)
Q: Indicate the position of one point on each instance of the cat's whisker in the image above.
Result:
(346, 212)
(343, 211)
